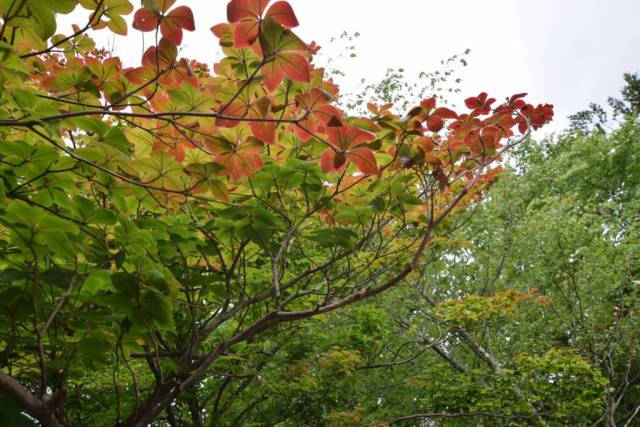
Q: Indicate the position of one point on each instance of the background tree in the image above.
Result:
(532, 301)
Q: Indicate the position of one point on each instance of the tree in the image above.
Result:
(597, 118)
(156, 220)
(533, 298)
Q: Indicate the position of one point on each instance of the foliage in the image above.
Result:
(163, 223)
(547, 266)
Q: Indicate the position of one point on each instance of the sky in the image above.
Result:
(565, 52)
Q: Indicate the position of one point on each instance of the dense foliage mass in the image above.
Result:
(184, 246)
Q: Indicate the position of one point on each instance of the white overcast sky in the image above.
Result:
(566, 52)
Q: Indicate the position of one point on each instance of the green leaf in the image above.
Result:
(93, 348)
(343, 237)
(103, 217)
(158, 309)
(98, 281)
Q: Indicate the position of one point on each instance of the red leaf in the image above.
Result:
(328, 115)
(306, 130)
(178, 19)
(315, 108)
(339, 161)
(522, 127)
(291, 64)
(295, 66)
(542, 115)
(480, 104)
(426, 144)
(246, 33)
(164, 54)
(239, 159)
(517, 96)
(364, 160)
(435, 123)
(428, 104)
(182, 16)
(471, 102)
(273, 75)
(238, 165)
(238, 109)
(224, 32)
(347, 137)
(139, 75)
(265, 131)
(239, 10)
(145, 20)
(283, 14)
(327, 160)
(445, 113)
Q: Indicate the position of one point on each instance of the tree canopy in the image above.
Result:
(185, 245)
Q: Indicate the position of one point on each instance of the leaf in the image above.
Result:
(282, 13)
(157, 309)
(164, 55)
(118, 25)
(171, 25)
(238, 10)
(247, 15)
(435, 123)
(265, 131)
(93, 348)
(103, 217)
(343, 237)
(145, 20)
(158, 6)
(43, 18)
(364, 160)
(328, 161)
(287, 56)
(346, 137)
(97, 281)
(246, 33)
(237, 152)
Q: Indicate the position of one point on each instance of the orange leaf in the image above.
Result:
(435, 123)
(145, 20)
(327, 160)
(347, 137)
(290, 64)
(246, 33)
(364, 160)
(237, 108)
(178, 19)
(164, 55)
(265, 131)
(240, 10)
(283, 14)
